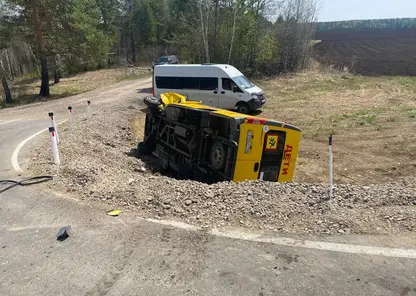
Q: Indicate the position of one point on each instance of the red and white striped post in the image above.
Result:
(54, 145)
(330, 167)
(53, 124)
(70, 115)
(89, 108)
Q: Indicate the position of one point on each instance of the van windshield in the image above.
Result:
(243, 82)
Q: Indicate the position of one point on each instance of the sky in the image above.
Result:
(337, 10)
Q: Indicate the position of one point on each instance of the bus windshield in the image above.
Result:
(243, 82)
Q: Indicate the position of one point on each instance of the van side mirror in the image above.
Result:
(235, 89)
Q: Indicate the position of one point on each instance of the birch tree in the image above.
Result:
(204, 7)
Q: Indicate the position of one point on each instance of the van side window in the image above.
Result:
(208, 83)
(189, 83)
(226, 84)
(168, 83)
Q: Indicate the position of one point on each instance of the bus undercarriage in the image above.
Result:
(195, 143)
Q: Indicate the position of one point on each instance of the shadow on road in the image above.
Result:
(147, 90)
(256, 113)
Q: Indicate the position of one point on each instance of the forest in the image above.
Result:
(55, 38)
(355, 25)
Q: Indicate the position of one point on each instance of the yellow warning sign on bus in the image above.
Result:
(271, 142)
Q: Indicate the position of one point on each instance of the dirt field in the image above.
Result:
(373, 121)
(372, 56)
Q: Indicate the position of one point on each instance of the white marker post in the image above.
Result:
(53, 124)
(70, 115)
(330, 167)
(54, 146)
(89, 108)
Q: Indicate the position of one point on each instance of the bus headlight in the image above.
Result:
(248, 141)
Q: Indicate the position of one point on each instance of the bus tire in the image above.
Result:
(217, 156)
(152, 102)
(243, 108)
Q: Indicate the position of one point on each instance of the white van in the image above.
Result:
(216, 85)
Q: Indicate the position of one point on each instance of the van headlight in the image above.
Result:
(255, 97)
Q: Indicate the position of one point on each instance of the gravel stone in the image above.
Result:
(97, 170)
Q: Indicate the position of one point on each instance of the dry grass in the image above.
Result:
(26, 89)
(372, 120)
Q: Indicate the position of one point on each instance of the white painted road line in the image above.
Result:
(290, 242)
(8, 121)
(15, 155)
(325, 246)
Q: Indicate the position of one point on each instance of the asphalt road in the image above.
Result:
(127, 255)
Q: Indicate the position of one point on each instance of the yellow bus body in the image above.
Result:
(260, 140)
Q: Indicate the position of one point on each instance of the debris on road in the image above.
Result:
(114, 213)
(25, 182)
(63, 233)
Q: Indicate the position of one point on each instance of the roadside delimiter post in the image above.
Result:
(54, 146)
(70, 115)
(330, 167)
(53, 124)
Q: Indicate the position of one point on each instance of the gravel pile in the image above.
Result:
(98, 164)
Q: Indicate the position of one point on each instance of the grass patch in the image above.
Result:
(412, 114)
(371, 118)
(132, 75)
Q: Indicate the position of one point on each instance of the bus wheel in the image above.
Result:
(152, 102)
(243, 108)
(217, 156)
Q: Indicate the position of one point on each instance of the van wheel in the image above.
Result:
(217, 156)
(243, 108)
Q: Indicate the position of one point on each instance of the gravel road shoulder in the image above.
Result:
(98, 164)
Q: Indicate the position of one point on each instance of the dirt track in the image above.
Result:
(103, 95)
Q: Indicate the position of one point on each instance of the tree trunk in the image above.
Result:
(57, 74)
(133, 48)
(259, 8)
(132, 41)
(214, 39)
(44, 87)
(7, 93)
(204, 31)
(11, 68)
(233, 33)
